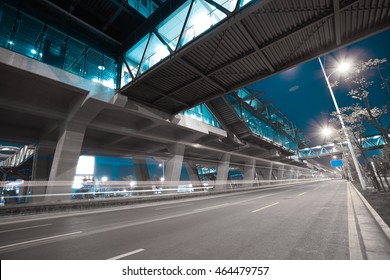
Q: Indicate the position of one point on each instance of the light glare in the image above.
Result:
(326, 131)
(344, 67)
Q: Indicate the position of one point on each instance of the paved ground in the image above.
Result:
(309, 221)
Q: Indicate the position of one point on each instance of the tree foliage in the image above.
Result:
(364, 78)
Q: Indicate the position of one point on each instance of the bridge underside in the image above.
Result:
(251, 44)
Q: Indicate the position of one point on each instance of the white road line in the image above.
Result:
(265, 207)
(169, 207)
(127, 254)
(211, 207)
(257, 197)
(16, 229)
(39, 239)
(301, 194)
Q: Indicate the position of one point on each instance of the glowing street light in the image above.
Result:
(343, 67)
(162, 179)
(326, 131)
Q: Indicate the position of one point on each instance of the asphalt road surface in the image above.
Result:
(307, 221)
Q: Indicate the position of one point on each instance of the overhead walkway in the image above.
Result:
(206, 48)
(233, 123)
(369, 143)
(19, 157)
(257, 122)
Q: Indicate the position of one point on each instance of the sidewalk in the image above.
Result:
(369, 236)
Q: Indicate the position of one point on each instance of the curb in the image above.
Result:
(383, 226)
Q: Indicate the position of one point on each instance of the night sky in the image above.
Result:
(302, 95)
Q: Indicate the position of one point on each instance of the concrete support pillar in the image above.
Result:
(193, 174)
(260, 174)
(266, 173)
(249, 172)
(280, 172)
(141, 169)
(3, 175)
(286, 173)
(68, 147)
(64, 164)
(223, 172)
(291, 173)
(294, 173)
(297, 172)
(271, 170)
(42, 162)
(174, 165)
(142, 176)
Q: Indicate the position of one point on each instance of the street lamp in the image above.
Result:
(326, 131)
(343, 67)
(162, 179)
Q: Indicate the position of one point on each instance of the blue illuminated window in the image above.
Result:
(144, 7)
(227, 4)
(155, 52)
(203, 114)
(171, 27)
(202, 17)
(134, 56)
(125, 75)
(244, 2)
(33, 38)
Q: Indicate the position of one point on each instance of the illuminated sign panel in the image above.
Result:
(336, 163)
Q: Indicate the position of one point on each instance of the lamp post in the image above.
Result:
(162, 179)
(354, 159)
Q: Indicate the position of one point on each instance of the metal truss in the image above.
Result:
(369, 143)
(18, 158)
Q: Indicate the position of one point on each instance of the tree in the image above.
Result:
(355, 128)
(359, 78)
(364, 77)
(382, 167)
